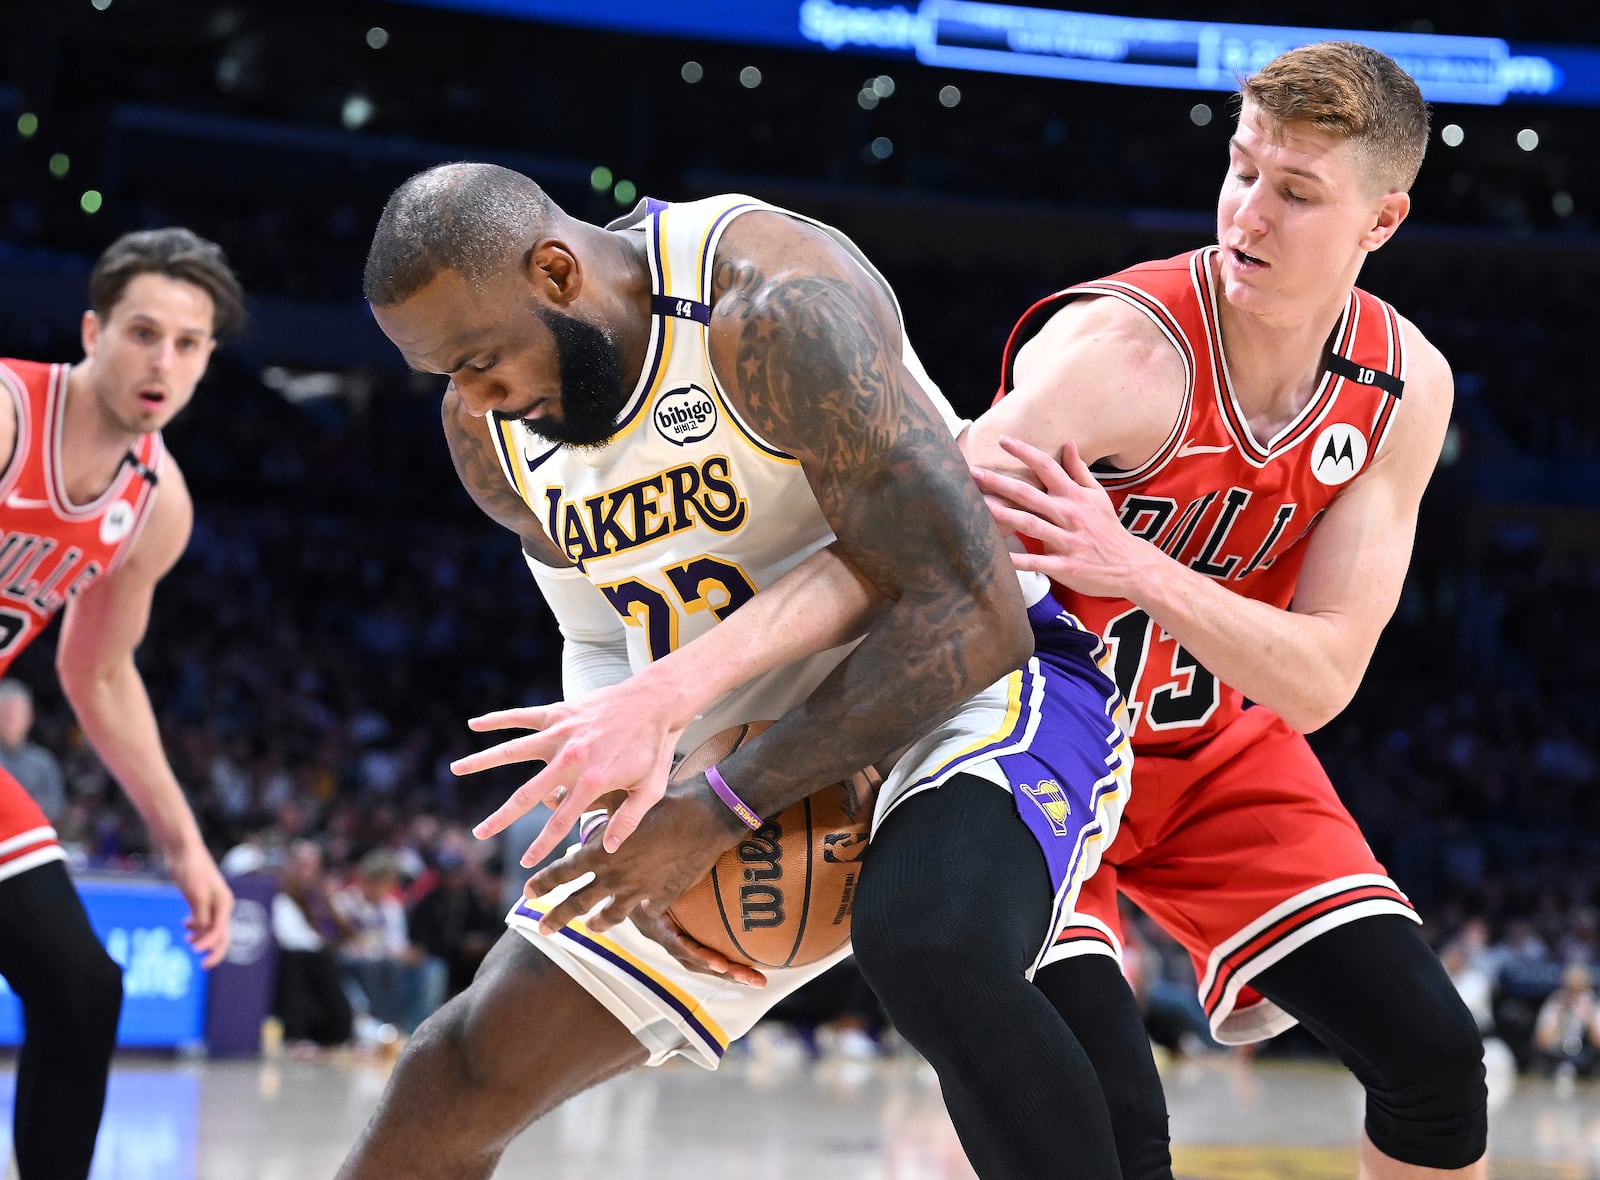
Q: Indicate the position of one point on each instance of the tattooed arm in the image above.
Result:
(808, 347)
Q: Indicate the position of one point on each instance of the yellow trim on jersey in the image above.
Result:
(655, 232)
(1013, 714)
(665, 256)
(1121, 774)
(696, 1009)
(669, 324)
(707, 270)
(765, 450)
(1124, 748)
(509, 453)
(666, 326)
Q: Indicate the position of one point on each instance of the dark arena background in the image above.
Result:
(343, 608)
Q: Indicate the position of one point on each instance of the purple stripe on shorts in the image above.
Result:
(527, 911)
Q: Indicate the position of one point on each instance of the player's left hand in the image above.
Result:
(209, 923)
(1070, 515)
(675, 845)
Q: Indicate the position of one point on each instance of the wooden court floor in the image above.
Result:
(759, 1119)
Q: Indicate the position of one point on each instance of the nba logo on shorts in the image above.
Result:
(685, 415)
(1052, 801)
(114, 525)
(1338, 454)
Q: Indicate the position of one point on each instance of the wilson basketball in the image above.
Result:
(782, 897)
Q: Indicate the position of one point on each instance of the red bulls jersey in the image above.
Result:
(50, 548)
(1228, 505)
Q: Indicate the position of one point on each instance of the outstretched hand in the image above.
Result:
(617, 739)
(1084, 544)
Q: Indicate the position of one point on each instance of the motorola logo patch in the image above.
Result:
(685, 415)
(114, 525)
(1339, 452)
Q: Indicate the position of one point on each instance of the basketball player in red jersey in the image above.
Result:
(1262, 433)
(92, 514)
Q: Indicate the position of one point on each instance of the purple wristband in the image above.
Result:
(735, 804)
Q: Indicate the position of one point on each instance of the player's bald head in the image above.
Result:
(470, 218)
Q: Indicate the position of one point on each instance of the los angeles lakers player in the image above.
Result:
(93, 513)
(671, 413)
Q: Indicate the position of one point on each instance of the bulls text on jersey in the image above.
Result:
(32, 572)
(1218, 554)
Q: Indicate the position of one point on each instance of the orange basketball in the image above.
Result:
(781, 897)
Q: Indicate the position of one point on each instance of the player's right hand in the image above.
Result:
(210, 900)
(1084, 544)
(617, 739)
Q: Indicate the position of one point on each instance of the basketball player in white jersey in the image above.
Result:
(93, 513)
(671, 413)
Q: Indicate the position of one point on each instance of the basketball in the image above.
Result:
(782, 897)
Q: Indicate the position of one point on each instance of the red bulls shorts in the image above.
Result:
(26, 838)
(1242, 851)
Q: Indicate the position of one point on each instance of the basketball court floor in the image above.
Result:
(766, 1118)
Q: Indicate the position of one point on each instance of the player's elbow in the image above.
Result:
(71, 673)
(1306, 718)
(1324, 701)
(1018, 641)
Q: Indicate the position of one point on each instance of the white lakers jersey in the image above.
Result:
(687, 512)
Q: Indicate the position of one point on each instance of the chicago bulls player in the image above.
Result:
(1262, 433)
(92, 514)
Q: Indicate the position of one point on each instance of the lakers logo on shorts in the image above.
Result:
(1050, 799)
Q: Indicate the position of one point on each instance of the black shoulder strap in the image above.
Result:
(1350, 371)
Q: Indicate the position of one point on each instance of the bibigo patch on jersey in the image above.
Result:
(686, 415)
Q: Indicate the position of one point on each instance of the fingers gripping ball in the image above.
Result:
(782, 897)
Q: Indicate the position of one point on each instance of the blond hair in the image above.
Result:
(1354, 92)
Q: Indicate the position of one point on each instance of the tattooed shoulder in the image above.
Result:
(802, 336)
(809, 348)
(736, 278)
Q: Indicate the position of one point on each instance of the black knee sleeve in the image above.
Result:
(71, 994)
(1375, 994)
(952, 908)
(953, 890)
(1427, 1104)
(54, 961)
(1095, 1000)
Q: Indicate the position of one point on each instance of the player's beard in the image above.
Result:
(592, 390)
